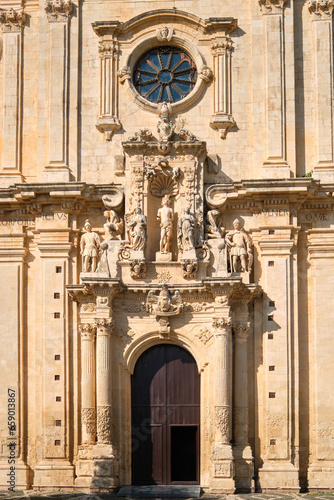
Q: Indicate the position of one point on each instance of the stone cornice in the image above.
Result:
(321, 9)
(12, 20)
(272, 6)
(58, 10)
(210, 26)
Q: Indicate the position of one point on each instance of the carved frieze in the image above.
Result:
(12, 20)
(58, 10)
(104, 421)
(272, 6)
(321, 9)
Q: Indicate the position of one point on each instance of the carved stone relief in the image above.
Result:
(12, 20)
(164, 304)
(204, 335)
(189, 268)
(104, 421)
(137, 229)
(137, 268)
(164, 34)
(214, 225)
(222, 419)
(88, 418)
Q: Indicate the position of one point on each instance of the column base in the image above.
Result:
(18, 481)
(275, 171)
(244, 469)
(53, 474)
(222, 479)
(97, 468)
(320, 476)
(283, 476)
(55, 173)
(324, 172)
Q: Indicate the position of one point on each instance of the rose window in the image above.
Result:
(165, 74)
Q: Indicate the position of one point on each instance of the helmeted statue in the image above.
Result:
(240, 248)
(89, 248)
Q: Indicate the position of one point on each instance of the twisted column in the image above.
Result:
(103, 383)
(88, 410)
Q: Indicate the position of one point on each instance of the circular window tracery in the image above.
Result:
(165, 74)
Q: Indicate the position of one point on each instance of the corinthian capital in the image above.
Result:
(272, 6)
(241, 331)
(104, 326)
(87, 331)
(222, 325)
(58, 10)
(12, 20)
(321, 9)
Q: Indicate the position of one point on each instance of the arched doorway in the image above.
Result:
(165, 394)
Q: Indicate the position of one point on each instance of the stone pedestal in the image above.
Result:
(163, 257)
(218, 257)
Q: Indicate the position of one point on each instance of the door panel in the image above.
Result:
(165, 393)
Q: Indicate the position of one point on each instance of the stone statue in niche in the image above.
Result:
(239, 244)
(114, 225)
(214, 225)
(89, 248)
(165, 127)
(137, 229)
(165, 216)
(186, 230)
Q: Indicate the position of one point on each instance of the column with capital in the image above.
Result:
(222, 457)
(242, 452)
(103, 383)
(88, 409)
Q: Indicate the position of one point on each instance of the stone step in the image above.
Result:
(157, 491)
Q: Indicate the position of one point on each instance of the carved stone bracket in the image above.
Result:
(58, 10)
(12, 20)
(189, 268)
(272, 6)
(321, 9)
(104, 421)
(137, 268)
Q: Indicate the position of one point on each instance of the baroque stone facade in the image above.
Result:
(167, 179)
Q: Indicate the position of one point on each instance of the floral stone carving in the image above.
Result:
(104, 424)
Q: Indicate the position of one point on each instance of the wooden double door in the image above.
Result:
(165, 393)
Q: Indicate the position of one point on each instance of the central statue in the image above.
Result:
(166, 216)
